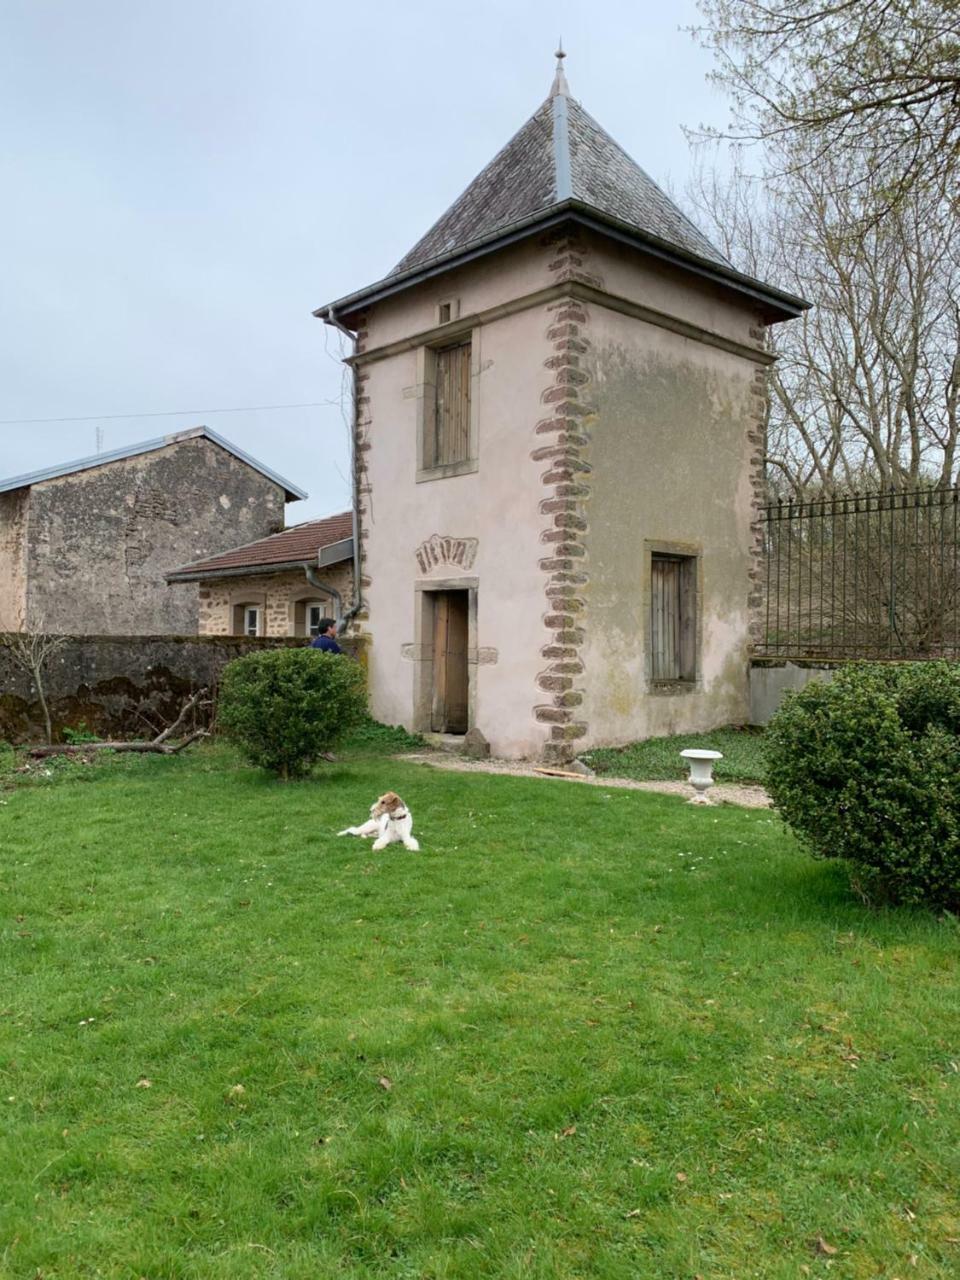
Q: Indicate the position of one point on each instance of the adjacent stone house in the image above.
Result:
(277, 586)
(559, 437)
(84, 547)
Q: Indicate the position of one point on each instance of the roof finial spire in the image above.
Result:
(560, 80)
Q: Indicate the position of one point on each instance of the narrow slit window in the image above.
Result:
(447, 310)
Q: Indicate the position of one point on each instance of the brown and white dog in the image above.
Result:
(390, 821)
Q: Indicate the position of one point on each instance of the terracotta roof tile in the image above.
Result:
(299, 544)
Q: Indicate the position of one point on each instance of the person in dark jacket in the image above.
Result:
(326, 639)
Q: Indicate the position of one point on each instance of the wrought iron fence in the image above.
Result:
(865, 576)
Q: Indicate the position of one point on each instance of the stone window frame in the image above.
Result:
(244, 611)
(296, 609)
(237, 601)
(422, 653)
(691, 601)
(426, 403)
(308, 607)
(448, 310)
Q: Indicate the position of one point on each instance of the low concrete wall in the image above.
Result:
(121, 686)
(770, 680)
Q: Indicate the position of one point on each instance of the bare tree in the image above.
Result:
(871, 81)
(32, 650)
(872, 576)
(866, 388)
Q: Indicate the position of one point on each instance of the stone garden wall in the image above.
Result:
(121, 686)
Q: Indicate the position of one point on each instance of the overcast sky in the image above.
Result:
(185, 180)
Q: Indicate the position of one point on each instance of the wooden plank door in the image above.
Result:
(450, 679)
(456, 659)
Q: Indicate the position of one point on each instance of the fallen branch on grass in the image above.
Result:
(82, 748)
(160, 745)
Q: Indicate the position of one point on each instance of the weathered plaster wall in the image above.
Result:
(515, 271)
(13, 523)
(497, 505)
(652, 283)
(672, 459)
(121, 686)
(524, 269)
(100, 541)
(276, 593)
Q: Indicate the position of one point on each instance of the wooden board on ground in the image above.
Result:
(560, 773)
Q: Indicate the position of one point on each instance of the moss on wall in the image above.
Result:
(669, 459)
(122, 686)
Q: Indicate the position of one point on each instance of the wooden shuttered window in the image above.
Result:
(673, 618)
(665, 622)
(450, 440)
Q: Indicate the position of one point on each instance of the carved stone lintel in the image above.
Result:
(439, 551)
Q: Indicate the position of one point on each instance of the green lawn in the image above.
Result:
(659, 758)
(582, 1034)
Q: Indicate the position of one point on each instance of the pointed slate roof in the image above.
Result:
(560, 154)
(517, 183)
(562, 166)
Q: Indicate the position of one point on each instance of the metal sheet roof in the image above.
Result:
(291, 491)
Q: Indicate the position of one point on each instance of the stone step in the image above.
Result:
(449, 742)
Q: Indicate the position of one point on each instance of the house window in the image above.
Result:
(448, 437)
(306, 616)
(673, 620)
(247, 620)
(313, 612)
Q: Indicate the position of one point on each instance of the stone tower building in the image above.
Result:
(559, 443)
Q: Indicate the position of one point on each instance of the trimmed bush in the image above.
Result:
(285, 707)
(867, 768)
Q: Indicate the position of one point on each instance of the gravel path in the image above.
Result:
(720, 793)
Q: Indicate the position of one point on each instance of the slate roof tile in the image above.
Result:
(518, 183)
(528, 177)
(561, 163)
(606, 178)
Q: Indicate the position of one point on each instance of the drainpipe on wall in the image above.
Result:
(352, 612)
(322, 586)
